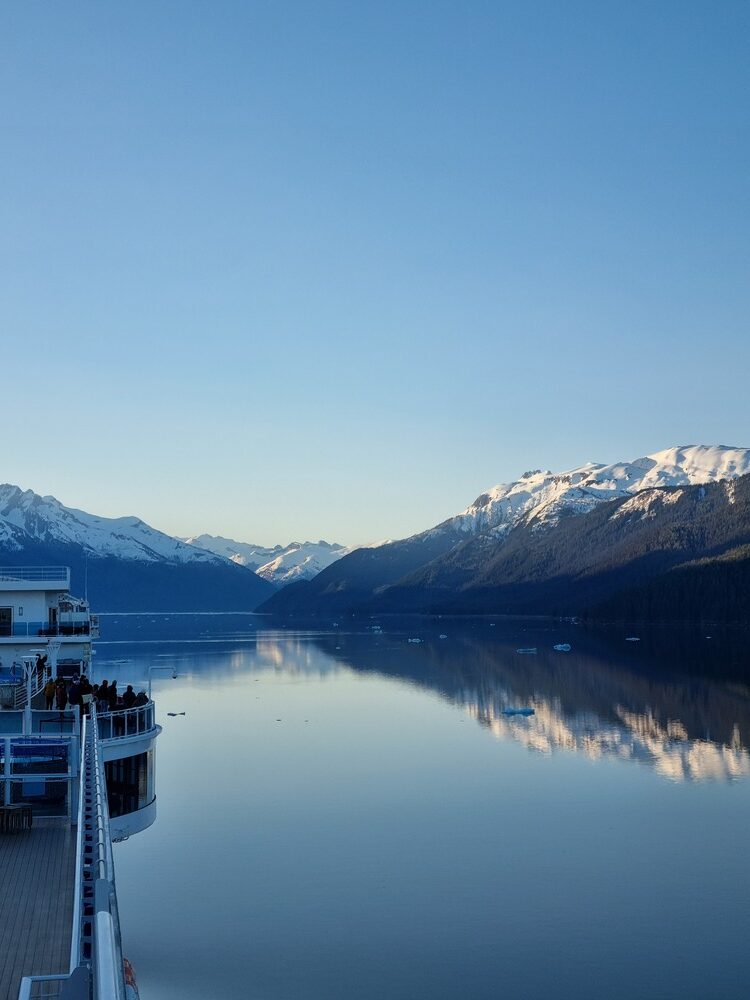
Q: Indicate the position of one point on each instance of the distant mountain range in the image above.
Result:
(279, 565)
(129, 565)
(664, 536)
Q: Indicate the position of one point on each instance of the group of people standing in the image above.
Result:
(60, 692)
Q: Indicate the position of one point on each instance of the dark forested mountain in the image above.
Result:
(672, 553)
(351, 582)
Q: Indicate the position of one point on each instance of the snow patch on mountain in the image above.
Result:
(301, 561)
(243, 553)
(543, 497)
(280, 564)
(647, 503)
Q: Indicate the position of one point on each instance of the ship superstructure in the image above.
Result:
(71, 782)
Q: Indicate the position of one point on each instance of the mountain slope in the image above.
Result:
(25, 516)
(448, 557)
(545, 496)
(279, 565)
(353, 580)
(129, 565)
(588, 564)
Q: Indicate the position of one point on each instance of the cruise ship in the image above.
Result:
(73, 781)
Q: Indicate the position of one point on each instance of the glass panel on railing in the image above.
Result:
(49, 797)
(36, 757)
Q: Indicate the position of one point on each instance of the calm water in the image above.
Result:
(346, 814)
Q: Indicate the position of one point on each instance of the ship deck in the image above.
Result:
(37, 874)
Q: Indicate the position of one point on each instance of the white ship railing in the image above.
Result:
(42, 629)
(20, 693)
(43, 757)
(125, 722)
(32, 574)
(96, 952)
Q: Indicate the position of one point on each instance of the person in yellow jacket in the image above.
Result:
(49, 692)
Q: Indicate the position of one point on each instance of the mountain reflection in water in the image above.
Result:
(334, 823)
(677, 701)
(595, 700)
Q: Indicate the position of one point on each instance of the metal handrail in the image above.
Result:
(100, 932)
(144, 717)
(39, 680)
(75, 937)
(32, 573)
(95, 948)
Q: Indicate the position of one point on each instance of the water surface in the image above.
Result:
(343, 813)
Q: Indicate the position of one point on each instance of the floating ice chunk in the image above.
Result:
(562, 647)
(518, 711)
(632, 638)
(415, 640)
(527, 649)
(442, 636)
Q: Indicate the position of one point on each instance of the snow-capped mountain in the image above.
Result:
(25, 516)
(457, 551)
(281, 564)
(125, 564)
(543, 497)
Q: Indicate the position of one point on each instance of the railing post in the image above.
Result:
(6, 773)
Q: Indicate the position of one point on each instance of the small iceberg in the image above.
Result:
(527, 649)
(562, 647)
(442, 636)
(518, 711)
(414, 640)
(632, 638)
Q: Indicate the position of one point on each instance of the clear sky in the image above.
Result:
(279, 270)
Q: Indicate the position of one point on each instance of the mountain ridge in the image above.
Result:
(279, 564)
(448, 555)
(127, 564)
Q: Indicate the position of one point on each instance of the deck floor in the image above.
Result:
(37, 872)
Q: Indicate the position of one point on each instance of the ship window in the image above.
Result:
(20, 612)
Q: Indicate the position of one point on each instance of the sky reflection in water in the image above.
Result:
(332, 822)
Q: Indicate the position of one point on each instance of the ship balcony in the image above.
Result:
(40, 770)
(33, 630)
(34, 578)
(128, 722)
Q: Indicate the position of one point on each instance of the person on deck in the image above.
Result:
(74, 692)
(128, 697)
(49, 693)
(86, 694)
(62, 695)
(112, 696)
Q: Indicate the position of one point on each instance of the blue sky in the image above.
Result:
(284, 270)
